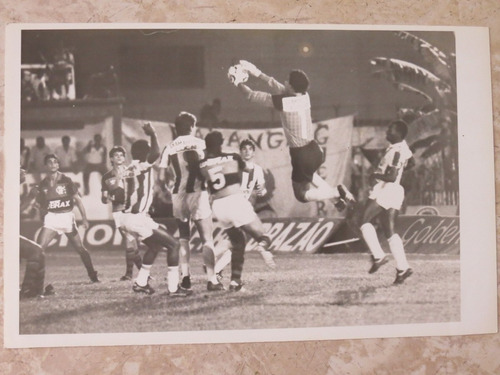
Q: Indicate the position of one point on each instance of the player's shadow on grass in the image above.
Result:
(197, 304)
(354, 296)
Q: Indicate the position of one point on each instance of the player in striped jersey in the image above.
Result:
(113, 190)
(385, 200)
(139, 181)
(57, 195)
(292, 102)
(189, 196)
(234, 213)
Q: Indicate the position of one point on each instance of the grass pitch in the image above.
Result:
(307, 290)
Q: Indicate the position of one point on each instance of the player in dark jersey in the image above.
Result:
(57, 195)
(34, 274)
(139, 181)
(113, 190)
(293, 104)
(234, 212)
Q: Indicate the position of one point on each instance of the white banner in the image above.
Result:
(333, 135)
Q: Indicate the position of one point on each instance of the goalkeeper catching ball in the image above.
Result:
(292, 102)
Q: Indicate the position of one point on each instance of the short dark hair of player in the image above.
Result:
(299, 81)
(48, 157)
(400, 127)
(214, 141)
(140, 150)
(184, 122)
(247, 142)
(116, 149)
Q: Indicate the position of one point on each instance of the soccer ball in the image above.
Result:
(237, 74)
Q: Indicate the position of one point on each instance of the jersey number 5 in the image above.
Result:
(217, 178)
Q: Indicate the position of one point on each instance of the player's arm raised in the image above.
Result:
(258, 97)
(26, 201)
(154, 153)
(274, 85)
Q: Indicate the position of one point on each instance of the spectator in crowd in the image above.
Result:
(209, 114)
(25, 155)
(66, 155)
(42, 86)
(28, 92)
(38, 154)
(95, 158)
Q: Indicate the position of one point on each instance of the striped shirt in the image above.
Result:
(390, 159)
(294, 110)
(139, 184)
(184, 154)
(254, 179)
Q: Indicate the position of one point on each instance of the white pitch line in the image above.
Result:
(341, 242)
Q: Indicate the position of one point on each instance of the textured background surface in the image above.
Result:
(443, 355)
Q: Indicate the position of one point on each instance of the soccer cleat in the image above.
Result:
(345, 198)
(147, 289)
(181, 292)
(49, 290)
(219, 276)
(268, 259)
(401, 276)
(236, 286)
(125, 278)
(93, 277)
(377, 263)
(211, 287)
(186, 282)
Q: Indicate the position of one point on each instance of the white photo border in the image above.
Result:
(478, 264)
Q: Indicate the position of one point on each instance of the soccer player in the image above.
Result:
(57, 195)
(139, 181)
(235, 213)
(189, 196)
(292, 102)
(385, 200)
(34, 274)
(252, 178)
(113, 190)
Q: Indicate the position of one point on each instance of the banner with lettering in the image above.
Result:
(272, 154)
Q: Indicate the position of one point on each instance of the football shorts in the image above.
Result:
(60, 222)
(233, 211)
(305, 161)
(194, 206)
(140, 225)
(117, 217)
(388, 195)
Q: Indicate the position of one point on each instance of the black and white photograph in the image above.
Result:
(241, 183)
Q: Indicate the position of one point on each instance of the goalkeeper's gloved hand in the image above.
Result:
(250, 68)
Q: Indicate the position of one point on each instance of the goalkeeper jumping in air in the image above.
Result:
(292, 102)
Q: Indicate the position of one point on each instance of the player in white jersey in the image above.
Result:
(139, 180)
(189, 196)
(292, 102)
(385, 200)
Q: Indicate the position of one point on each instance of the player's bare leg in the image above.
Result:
(237, 238)
(205, 227)
(184, 253)
(369, 234)
(75, 241)
(319, 190)
(132, 256)
(156, 242)
(256, 230)
(403, 270)
(34, 274)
